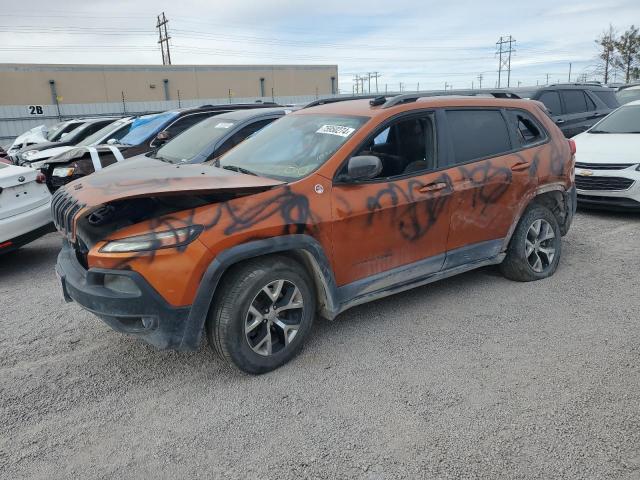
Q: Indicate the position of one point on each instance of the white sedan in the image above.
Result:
(24, 206)
(608, 160)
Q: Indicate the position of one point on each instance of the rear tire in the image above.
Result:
(535, 247)
(262, 314)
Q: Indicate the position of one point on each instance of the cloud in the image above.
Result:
(407, 41)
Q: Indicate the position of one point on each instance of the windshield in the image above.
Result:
(146, 126)
(55, 132)
(113, 130)
(190, 143)
(628, 95)
(293, 146)
(623, 120)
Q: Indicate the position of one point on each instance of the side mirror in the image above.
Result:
(364, 167)
(112, 141)
(161, 138)
(63, 135)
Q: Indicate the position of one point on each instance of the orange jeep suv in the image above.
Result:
(332, 206)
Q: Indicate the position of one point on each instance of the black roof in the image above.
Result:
(241, 115)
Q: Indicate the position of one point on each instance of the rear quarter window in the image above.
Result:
(477, 134)
(609, 98)
(528, 131)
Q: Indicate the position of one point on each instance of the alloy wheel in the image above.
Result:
(274, 317)
(540, 248)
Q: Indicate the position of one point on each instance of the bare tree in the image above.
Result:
(628, 48)
(607, 42)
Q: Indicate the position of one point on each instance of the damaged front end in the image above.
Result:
(123, 253)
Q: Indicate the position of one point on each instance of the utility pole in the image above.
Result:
(375, 76)
(547, 79)
(356, 83)
(480, 77)
(504, 60)
(164, 40)
(569, 72)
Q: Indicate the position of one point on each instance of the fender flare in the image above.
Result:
(315, 259)
(569, 197)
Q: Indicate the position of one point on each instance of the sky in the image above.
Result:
(416, 44)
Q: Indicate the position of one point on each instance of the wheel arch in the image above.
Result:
(302, 248)
(560, 201)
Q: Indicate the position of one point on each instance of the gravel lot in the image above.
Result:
(472, 377)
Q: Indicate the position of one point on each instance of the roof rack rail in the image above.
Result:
(593, 83)
(324, 101)
(412, 97)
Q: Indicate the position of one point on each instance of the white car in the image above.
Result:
(109, 133)
(608, 160)
(41, 134)
(24, 206)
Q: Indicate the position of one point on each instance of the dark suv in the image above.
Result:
(573, 106)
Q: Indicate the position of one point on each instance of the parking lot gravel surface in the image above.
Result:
(472, 377)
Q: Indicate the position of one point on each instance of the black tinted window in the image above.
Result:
(551, 100)
(240, 136)
(185, 122)
(574, 101)
(608, 97)
(477, 134)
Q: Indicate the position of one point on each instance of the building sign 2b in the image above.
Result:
(35, 109)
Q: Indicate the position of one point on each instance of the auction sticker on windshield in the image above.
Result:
(224, 125)
(338, 130)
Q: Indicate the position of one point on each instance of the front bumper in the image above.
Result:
(145, 314)
(610, 195)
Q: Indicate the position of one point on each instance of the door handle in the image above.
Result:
(520, 166)
(559, 121)
(433, 187)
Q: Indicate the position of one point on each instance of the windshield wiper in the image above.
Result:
(235, 168)
(598, 131)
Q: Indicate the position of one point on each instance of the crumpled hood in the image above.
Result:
(47, 153)
(35, 135)
(607, 147)
(144, 177)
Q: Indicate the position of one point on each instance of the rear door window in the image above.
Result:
(574, 101)
(551, 100)
(477, 134)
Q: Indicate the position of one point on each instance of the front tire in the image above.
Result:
(535, 247)
(261, 314)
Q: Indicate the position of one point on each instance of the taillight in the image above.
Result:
(40, 178)
(572, 146)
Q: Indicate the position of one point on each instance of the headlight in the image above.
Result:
(63, 171)
(30, 153)
(154, 241)
(38, 165)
